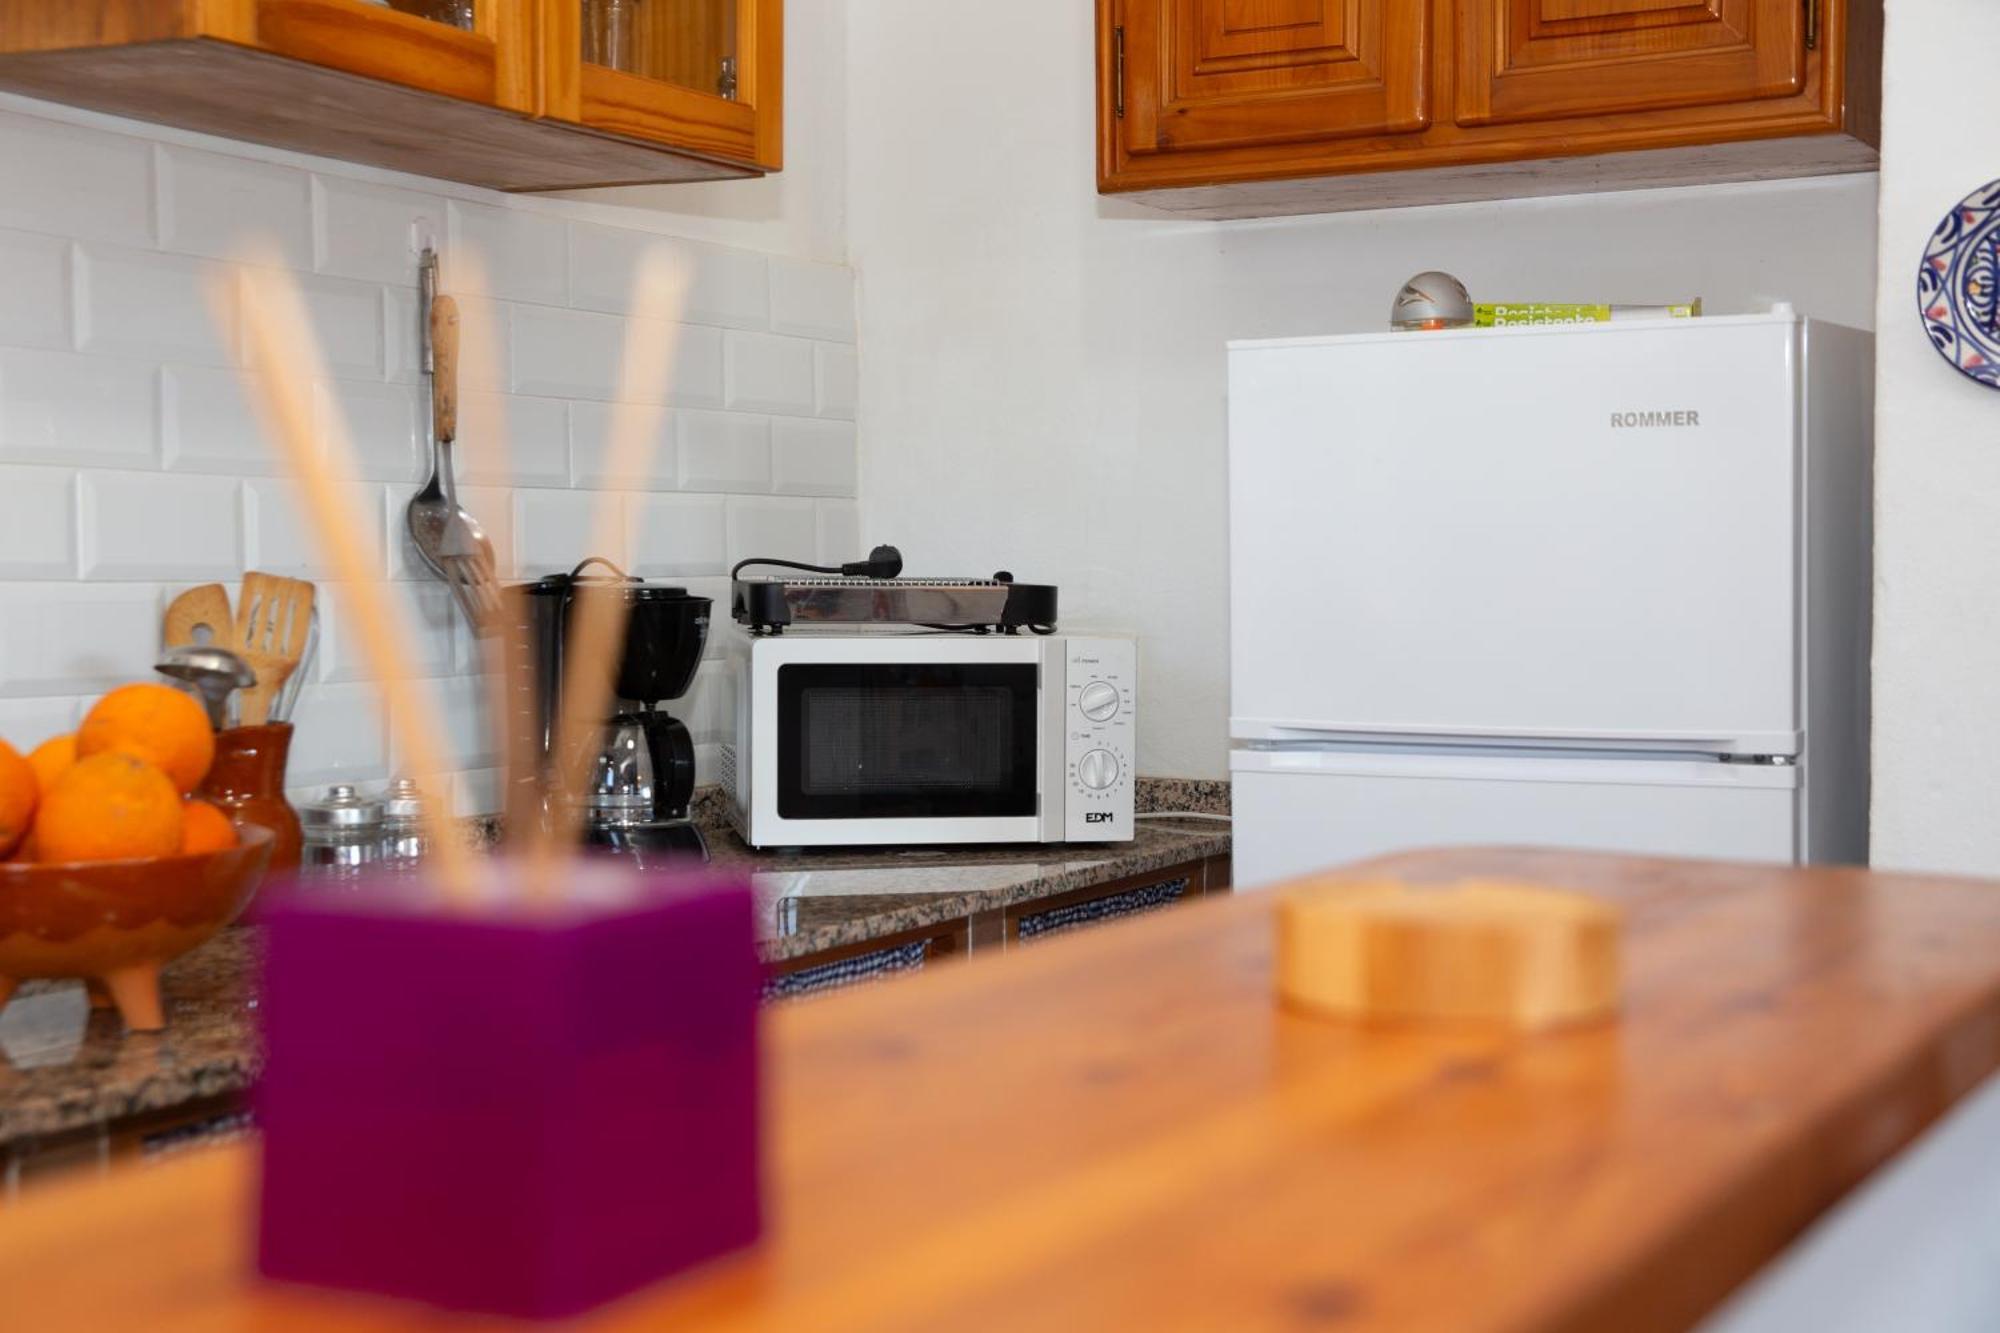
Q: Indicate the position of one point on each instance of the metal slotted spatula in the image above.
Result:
(449, 539)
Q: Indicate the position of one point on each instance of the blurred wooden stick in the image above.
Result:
(507, 663)
(597, 624)
(287, 357)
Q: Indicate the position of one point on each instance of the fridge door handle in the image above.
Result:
(1622, 770)
(1720, 741)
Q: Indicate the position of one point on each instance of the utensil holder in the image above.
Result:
(525, 1109)
(247, 780)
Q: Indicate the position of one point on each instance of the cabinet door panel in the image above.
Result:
(474, 50)
(1219, 73)
(1524, 60)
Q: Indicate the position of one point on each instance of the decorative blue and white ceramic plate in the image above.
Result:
(1958, 286)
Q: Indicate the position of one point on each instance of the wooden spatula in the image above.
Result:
(273, 615)
(198, 609)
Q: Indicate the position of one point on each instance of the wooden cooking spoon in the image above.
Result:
(198, 609)
(272, 617)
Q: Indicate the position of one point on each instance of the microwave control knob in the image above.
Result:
(1097, 770)
(1098, 701)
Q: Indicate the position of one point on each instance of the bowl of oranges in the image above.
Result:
(110, 867)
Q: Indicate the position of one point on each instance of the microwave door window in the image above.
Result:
(881, 741)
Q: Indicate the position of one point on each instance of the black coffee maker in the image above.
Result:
(642, 774)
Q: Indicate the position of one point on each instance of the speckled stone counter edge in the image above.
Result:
(1157, 847)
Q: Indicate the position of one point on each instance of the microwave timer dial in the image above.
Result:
(1098, 770)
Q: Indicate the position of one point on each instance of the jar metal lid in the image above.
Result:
(341, 810)
(403, 803)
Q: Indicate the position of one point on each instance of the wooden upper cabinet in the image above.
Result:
(1222, 73)
(475, 50)
(1244, 108)
(704, 74)
(513, 94)
(1523, 60)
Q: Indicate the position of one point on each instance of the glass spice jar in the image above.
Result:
(343, 831)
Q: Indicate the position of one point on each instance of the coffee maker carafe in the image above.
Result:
(642, 771)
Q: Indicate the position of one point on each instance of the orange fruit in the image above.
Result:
(19, 794)
(156, 723)
(204, 828)
(51, 759)
(109, 807)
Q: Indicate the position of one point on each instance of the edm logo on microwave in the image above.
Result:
(1099, 816)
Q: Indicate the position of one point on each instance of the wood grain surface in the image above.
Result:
(1221, 97)
(1121, 1131)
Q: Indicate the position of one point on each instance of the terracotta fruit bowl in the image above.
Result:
(117, 923)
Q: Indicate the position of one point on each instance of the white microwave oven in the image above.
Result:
(877, 738)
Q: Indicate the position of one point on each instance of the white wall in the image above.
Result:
(1042, 384)
(802, 209)
(1937, 472)
(131, 465)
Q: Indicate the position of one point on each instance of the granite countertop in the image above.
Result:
(814, 901)
(64, 1068)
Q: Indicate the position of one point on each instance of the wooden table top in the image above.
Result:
(1120, 1131)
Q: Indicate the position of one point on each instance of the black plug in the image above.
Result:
(884, 562)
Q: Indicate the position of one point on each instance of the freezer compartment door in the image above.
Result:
(1301, 812)
(1564, 534)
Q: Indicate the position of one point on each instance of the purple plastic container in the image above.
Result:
(517, 1111)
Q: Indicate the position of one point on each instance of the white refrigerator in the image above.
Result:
(1600, 586)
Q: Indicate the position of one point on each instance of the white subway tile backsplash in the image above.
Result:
(812, 300)
(724, 451)
(509, 253)
(61, 407)
(485, 340)
(428, 612)
(675, 536)
(133, 461)
(508, 439)
(385, 426)
(346, 318)
(709, 710)
(76, 638)
(278, 536)
(768, 373)
(372, 232)
(553, 530)
(812, 457)
(37, 523)
(479, 792)
(590, 433)
(233, 208)
(402, 353)
(26, 723)
(770, 526)
(209, 423)
(148, 525)
(34, 290)
(70, 181)
(340, 734)
(837, 372)
(143, 303)
(567, 353)
(840, 533)
(462, 713)
(694, 378)
(730, 288)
